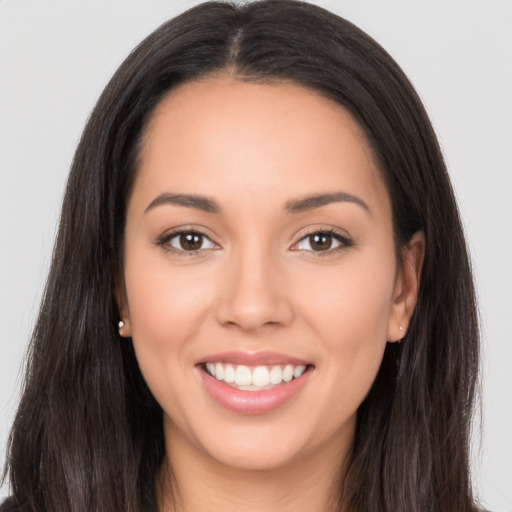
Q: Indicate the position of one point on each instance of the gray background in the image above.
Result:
(56, 56)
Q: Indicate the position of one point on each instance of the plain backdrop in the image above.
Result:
(56, 56)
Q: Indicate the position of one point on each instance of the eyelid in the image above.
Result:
(341, 236)
(163, 240)
(344, 239)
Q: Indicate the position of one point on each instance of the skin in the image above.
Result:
(256, 284)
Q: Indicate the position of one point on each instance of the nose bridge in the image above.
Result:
(254, 292)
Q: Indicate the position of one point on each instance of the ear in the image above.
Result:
(124, 325)
(405, 293)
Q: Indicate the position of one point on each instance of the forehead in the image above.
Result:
(224, 135)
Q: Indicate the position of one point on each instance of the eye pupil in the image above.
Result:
(320, 241)
(191, 241)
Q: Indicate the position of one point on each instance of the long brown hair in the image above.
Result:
(88, 433)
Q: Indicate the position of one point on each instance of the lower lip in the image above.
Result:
(252, 402)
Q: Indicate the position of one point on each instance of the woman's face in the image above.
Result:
(259, 247)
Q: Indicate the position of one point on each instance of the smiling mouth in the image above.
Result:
(252, 383)
(254, 378)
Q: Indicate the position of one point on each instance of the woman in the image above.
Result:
(268, 298)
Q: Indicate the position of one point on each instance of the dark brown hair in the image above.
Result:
(88, 433)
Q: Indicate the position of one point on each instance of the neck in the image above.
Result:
(199, 483)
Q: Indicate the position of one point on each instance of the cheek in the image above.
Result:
(166, 308)
(348, 311)
(352, 301)
(165, 304)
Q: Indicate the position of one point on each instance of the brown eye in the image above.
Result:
(188, 241)
(320, 241)
(191, 241)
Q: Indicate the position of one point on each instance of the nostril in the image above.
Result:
(253, 315)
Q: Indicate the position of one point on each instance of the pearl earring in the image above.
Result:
(120, 324)
(402, 331)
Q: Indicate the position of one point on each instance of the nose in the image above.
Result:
(254, 294)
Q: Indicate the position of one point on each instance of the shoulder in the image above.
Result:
(8, 506)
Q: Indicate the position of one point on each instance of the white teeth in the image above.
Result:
(276, 375)
(242, 376)
(229, 374)
(299, 370)
(219, 371)
(211, 368)
(288, 373)
(259, 376)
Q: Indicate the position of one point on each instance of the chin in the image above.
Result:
(247, 444)
(254, 457)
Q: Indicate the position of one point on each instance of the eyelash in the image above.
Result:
(344, 242)
(165, 239)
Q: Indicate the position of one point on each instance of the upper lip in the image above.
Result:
(265, 358)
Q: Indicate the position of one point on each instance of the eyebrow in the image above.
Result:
(202, 203)
(209, 205)
(318, 200)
